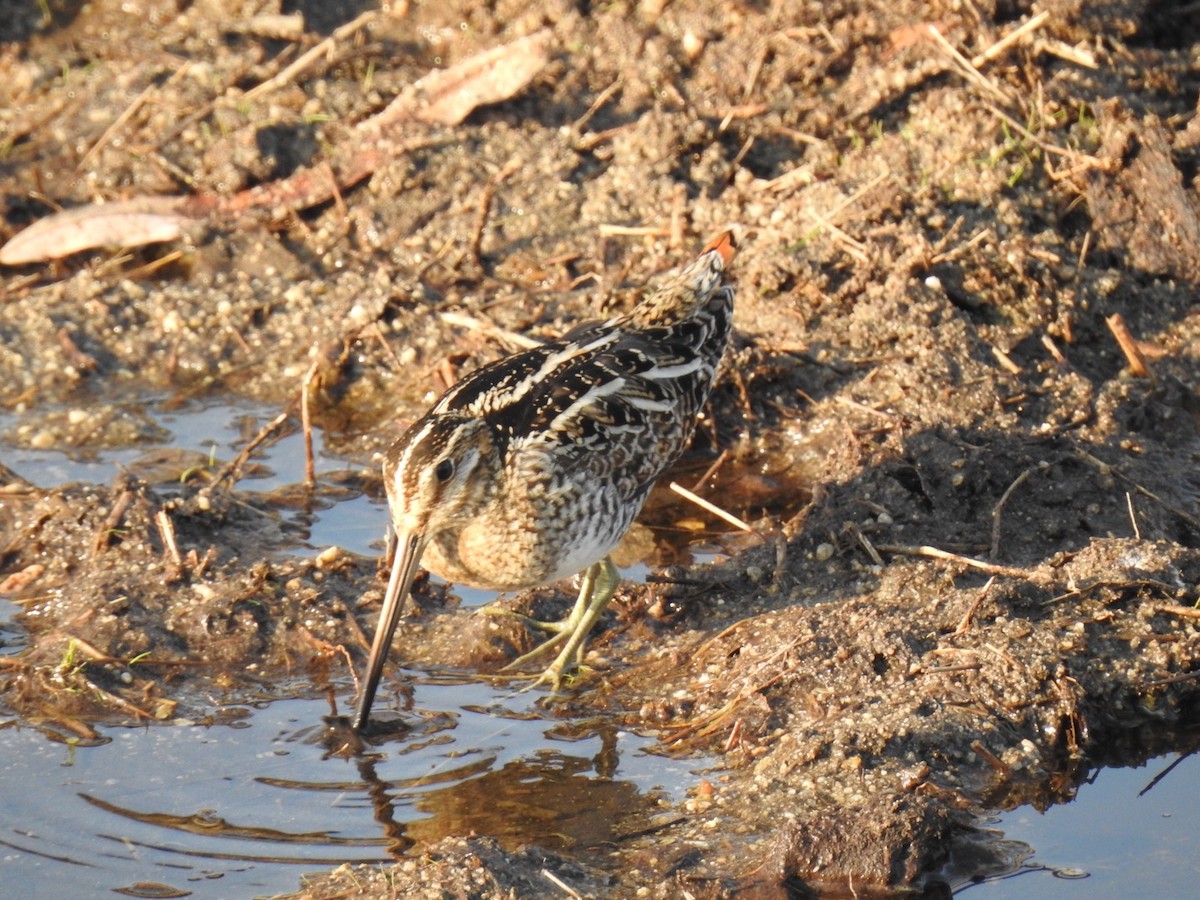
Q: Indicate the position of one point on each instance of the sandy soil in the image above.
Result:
(961, 410)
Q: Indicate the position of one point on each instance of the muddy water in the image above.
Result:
(246, 806)
(1128, 833)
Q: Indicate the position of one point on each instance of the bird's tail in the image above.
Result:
(688, 292)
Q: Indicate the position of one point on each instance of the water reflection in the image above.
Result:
(222, 811)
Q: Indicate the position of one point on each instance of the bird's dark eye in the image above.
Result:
(444, 471)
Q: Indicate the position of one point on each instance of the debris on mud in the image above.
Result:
(961, 414)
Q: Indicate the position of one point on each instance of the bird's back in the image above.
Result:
(615, 399)
(584, 425)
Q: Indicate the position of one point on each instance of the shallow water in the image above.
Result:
(1124, 835)
(244, 808)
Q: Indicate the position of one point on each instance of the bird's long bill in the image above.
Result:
(404, 569)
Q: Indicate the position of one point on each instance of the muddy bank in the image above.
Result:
(961, 411)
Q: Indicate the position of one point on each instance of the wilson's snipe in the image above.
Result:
(532, 468)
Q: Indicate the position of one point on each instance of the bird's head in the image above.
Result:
(433, 474)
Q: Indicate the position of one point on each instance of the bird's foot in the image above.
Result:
(540, 650)
(564, 626)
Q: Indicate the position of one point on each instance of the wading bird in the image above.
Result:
(532, 468)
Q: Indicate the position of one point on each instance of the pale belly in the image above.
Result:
(503, 554)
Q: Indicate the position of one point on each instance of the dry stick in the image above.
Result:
(1005, 360)
(607, 230)
(132, 108)
(756, 68)
(711, 470)
(1052, 348)
(463, 320)
(310, 469)
(960, 249)
(998, 48)
(166, 530)
(965, 623)
(1174, 679)
(935, 553)
(866, 544)
(862, 407)
(992, 759)
(710, 507)
(857, 195)
(1137, 532)
(1082, 158)
(235, 464)
(111, 521)
(741, 154)
(603, 97)
(678, 216)
(306, 59)
(965, 66)
(596, 138)
(561, 885)
(843, 240)
(1105, 468)
(1129, 346)
(1174, 609)
(1073, 55)
(998, 513)
(485, 210)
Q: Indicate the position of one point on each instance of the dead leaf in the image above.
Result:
(124, 223)
(447, 96)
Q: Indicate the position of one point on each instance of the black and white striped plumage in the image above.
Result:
(533, 467)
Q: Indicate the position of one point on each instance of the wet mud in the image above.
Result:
(960, 413)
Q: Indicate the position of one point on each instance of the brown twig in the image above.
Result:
(1052, 349)
(485, 210)
(607, 230)
(1174, 679)
(711, 470)
(111, 521)
(998, 513)
(964, 624)
(310, 468)
(1005, 360)
(310, 56)
(1001, 46)
(125, 116)
(1174, 609)
(80, 361)
(712, 508)
(865, 543)
(231, 468)
(935, 553)
(678, 215)
(166, 530)
(992, 759)
(1107, 469)
(1129, 346)
(603, 97)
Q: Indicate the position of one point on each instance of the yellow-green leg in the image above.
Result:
(599, 584)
